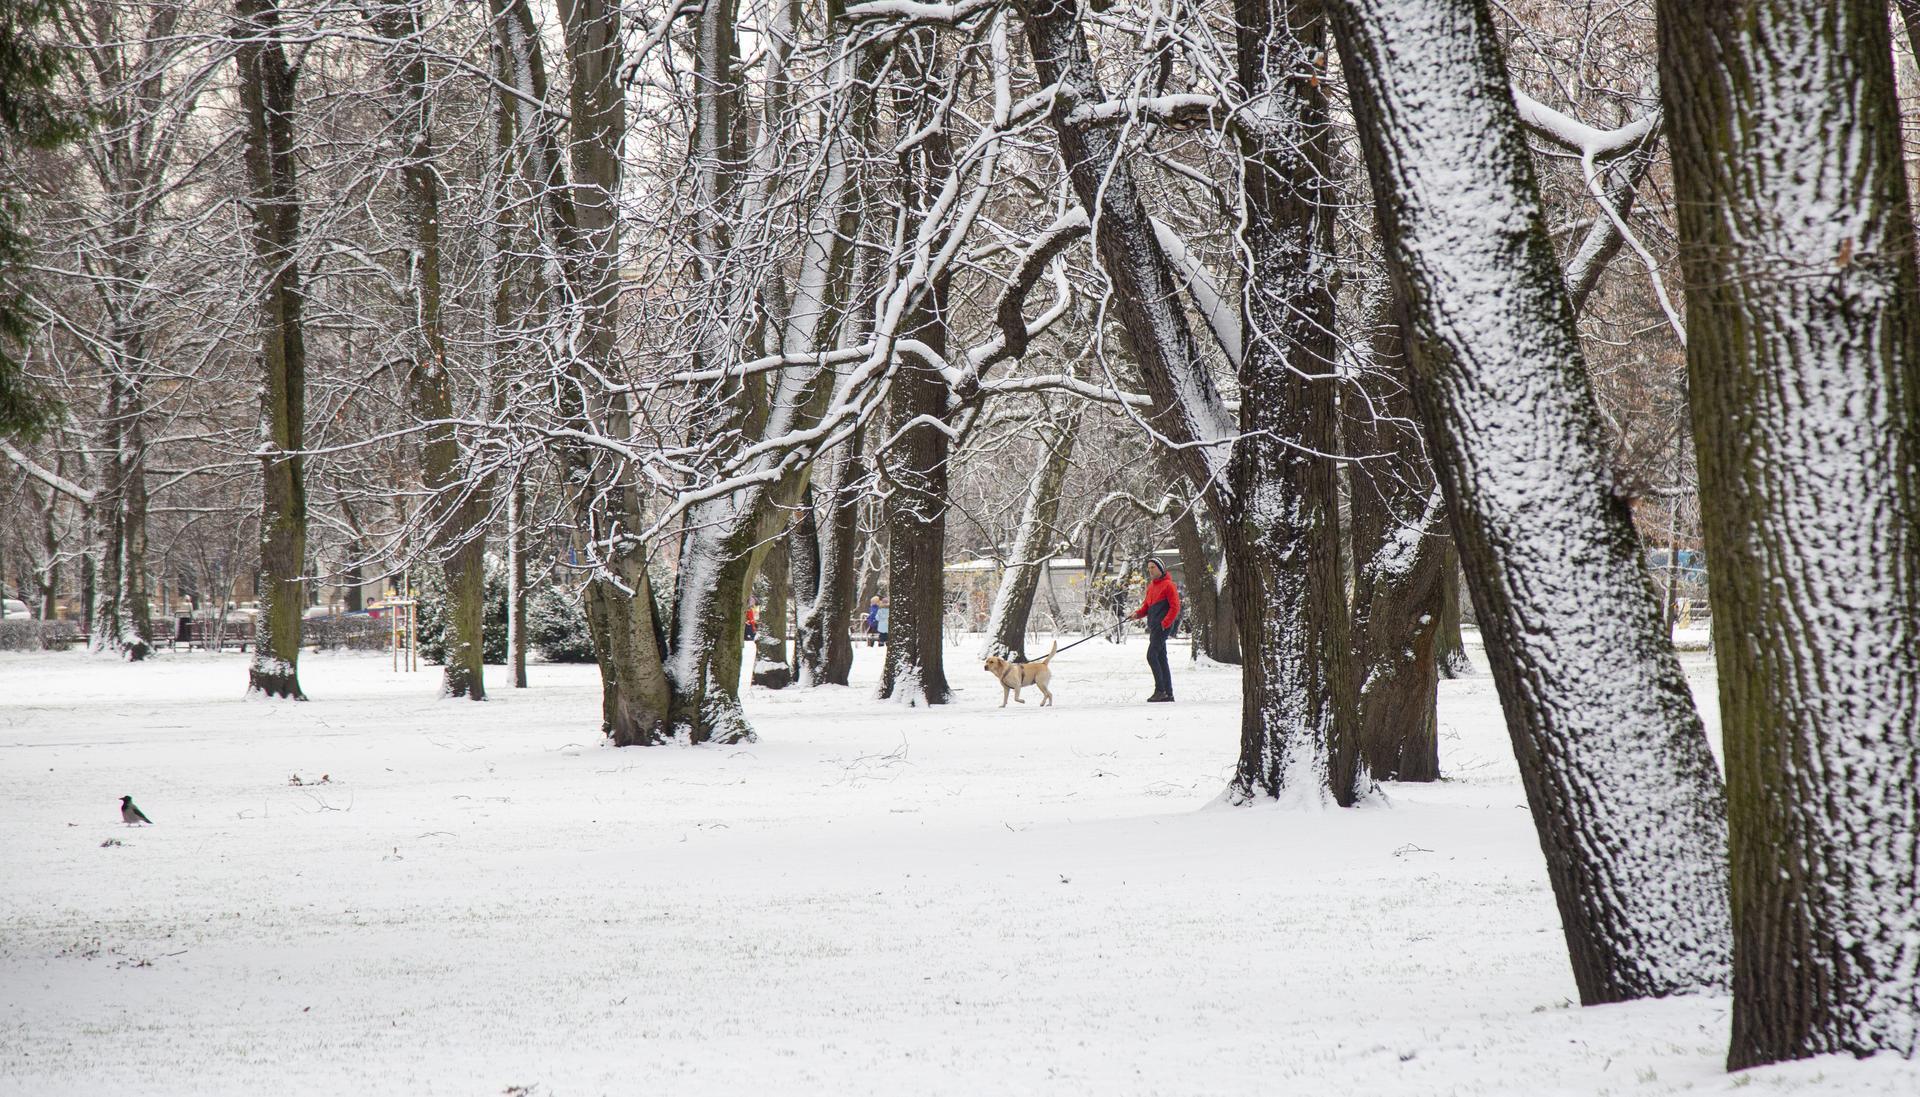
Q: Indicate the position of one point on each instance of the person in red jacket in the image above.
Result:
(1161, 608)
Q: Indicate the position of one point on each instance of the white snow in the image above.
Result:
(872, 899)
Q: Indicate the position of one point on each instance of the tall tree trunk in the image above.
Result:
(504, 268)
(455, 513)
(771, 670)
(266, 95)
(803, 570)
(1797, 246)
(119, 528)
(916, 461)
(584, 233)
(1399, 550)
(1034, 543)
(1207, 601)
(709, 597)
(87, 567)
(727, 536)
(839, 565)
(1624, 793)
(916, 518)
(634, 686)
(48, 575)
(1298, 734)
(1449, 644)
(1297, 694)
(517, 579)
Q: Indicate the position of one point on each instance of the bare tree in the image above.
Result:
(1036, 538)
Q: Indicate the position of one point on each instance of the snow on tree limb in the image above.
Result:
(1222, 316)
(1576, 136)
(46, 476)
(1189, 412)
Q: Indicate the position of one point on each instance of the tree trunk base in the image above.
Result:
(275, 685)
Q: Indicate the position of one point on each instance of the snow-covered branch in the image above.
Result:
(1184, 109)
(46, 475)
(1576, 136)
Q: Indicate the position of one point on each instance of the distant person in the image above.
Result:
(1161, 608)
(886, 611)
(753, 619)
(873, 621)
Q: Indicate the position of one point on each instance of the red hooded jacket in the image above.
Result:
(1158, 591)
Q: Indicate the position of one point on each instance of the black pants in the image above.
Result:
(1157, 656)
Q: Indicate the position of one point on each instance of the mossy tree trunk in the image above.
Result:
(578, 215)
(455, 511)
(273, 207)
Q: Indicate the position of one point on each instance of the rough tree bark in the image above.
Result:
(1797, 247)
(1623, 789)
(1399, 550)
(915, 459)
(1298, 733)
(1406, 586)
(1290, 705)
(916, 518)
(1033, 544)
(273, 208)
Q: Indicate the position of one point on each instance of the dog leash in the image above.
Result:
(1080, 641)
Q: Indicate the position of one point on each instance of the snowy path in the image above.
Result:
(872, 899)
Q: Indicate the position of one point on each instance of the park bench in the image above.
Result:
(198, 632)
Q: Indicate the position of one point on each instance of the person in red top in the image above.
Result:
(1161, 608)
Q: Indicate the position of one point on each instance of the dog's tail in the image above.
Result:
(1049, 654)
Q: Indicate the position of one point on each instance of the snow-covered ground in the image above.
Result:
(484, 899)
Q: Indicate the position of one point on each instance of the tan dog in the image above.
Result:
(1014, 677)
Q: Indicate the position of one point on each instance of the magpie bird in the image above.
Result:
(130, 814)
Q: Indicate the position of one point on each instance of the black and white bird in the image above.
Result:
(130, 814)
